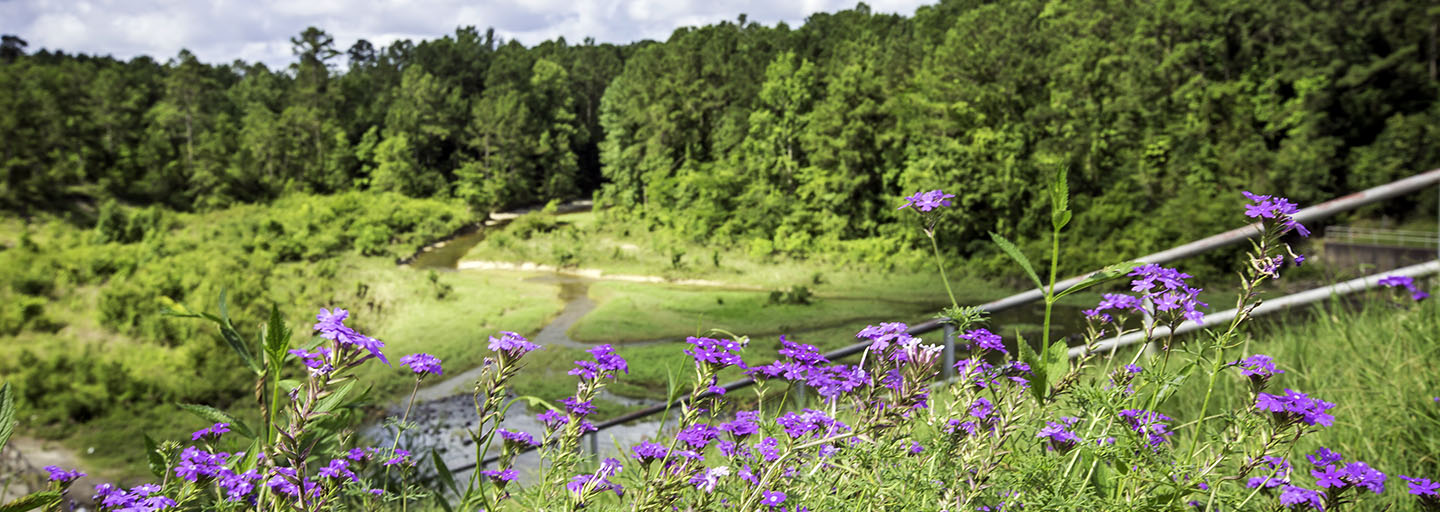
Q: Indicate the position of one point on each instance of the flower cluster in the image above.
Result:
(196, 463)
(1118, 302)
(211, 432)
(62, 476)
(1277, 208)
(606, 363)
(141, 498)
(926, 201)
(422, 364)
(1166, 289)
(810, 422)
(1405, 282)
(331, 326)
(981, 340)
(1295, 407)
(1259, 368)
(512, 344)
(1149, 424)
(1059, 434)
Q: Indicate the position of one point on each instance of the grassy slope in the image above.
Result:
(398, 305)
(1378, 364)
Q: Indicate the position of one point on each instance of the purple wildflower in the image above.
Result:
(1114, 301)
(926, 201)
(1293, 495)
(422, 364)
(1149, 424)
(63, 476)
(1277, 208)
(512, 344)
(745, 423)
(647, 451)
(772, 498)
(338, 468)
(577, 407)
(985, 340)
(1257, 367)
(1279, 474)
(500, 477)
(1422, 486)
(715, 354)
(1173, 294)
(237, 486)
(706, 480)
(1324, 456)
(1294, 406)
(552, 419)
(608, 360)
(1406, 282)
(1061, 438)
(331, 326)
(698, 435)
(1357, 474)
(214, 432)
(317, 359)
(518, 438)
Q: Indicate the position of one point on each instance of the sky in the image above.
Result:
(220, 31)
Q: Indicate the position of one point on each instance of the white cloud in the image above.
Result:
(259, 30)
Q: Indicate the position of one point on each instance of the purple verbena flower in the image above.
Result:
(772, 498)
(62, 476)
(213, 431)
(1324, 456)
(1296, 407)
(647, 451)
(1277, 208)
(512, 344)
(1293, 495)
(926, 201)
(984, 340)
(1061, 438)
(422, 364)
(1422, 486)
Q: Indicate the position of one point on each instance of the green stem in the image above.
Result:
(401, 429)
(1050, 293)
(941, 264)
(1205, 405)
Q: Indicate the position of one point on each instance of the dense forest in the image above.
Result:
(127, 187)
(1160, 111)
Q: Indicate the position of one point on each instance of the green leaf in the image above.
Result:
(1057, 364)
(1060, 219)
(1104, 478)
(1060, 199)
(276, 335)
(232, 337)
(289, 384)
(1100, 276)
(443, 472)
(32, 502)
(214, 415)
(153, 458)
(7, 413)
(329, 403)
(1016, 255)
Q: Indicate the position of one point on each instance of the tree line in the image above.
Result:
(788, 139)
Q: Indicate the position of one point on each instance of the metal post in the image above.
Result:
(595, 444)
(949, 370)
(799, 393)
(1146, 322)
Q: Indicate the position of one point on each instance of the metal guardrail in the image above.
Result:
(1232, 237)
(1374, 236)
